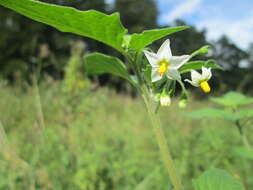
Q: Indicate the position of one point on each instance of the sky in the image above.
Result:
(231, 17)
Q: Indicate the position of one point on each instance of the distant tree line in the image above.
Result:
(25, 44)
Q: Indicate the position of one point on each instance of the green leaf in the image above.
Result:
(220, 114)
(93, 24)
(243, 152)
(196, 65)
(212, 113)
(217, 179)
(245, 113)
(233, 99)
(140, 41)
(98, 63)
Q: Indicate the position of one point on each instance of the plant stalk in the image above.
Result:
(156, 124)
(165, 152)
(243, 137)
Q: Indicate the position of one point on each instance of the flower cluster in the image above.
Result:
(164, 65)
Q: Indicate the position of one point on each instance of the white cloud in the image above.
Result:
(240, 31)
(185, 8)
(219, 17)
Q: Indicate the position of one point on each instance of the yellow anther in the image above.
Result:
(205, 86)
(163, 68)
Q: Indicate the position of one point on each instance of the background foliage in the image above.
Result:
(95, 141)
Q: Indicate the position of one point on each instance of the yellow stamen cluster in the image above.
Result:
(205, 86)
(163, 67)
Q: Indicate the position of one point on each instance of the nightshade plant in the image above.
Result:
(155, 75)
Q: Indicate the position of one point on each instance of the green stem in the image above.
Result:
(244, 138)
(183, 88)
(165, 152)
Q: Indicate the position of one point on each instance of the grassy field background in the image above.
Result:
(100, 140)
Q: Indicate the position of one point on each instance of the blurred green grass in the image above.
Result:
(100, 140)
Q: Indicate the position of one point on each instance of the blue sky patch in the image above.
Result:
(231, 17)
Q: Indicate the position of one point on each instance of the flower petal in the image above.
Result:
(155, 74)
(152, 58)
(178, 61)
(164, 51)
(206, 73)
(192, 83)
(173, 74)
(196, 77)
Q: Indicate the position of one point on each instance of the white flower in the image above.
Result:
(163, 63)
(165, 100)
(200, 80)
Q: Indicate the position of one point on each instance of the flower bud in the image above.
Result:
(204, 50)
(126, 41)
(182, 103)
(165, 100)
(155, 96)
